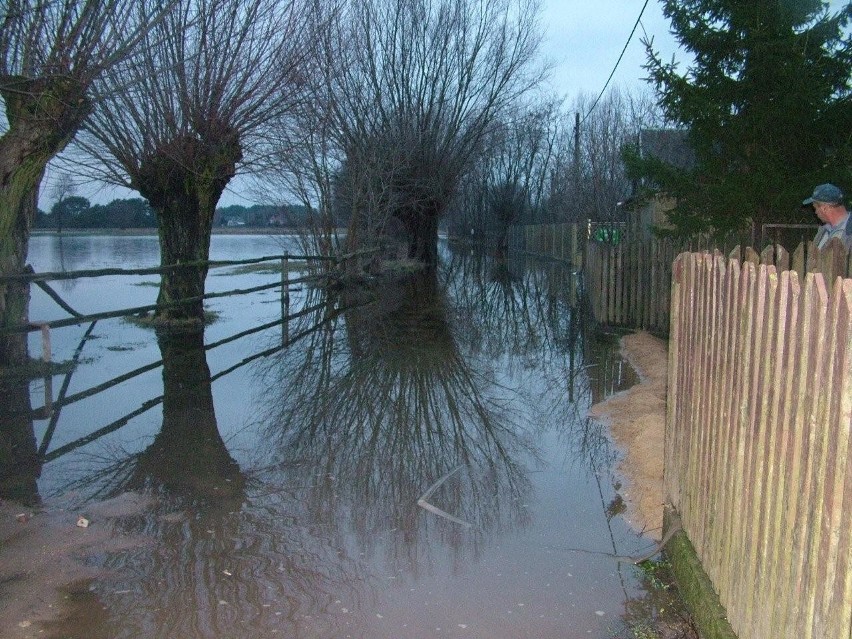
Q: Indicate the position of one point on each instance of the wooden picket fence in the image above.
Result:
(757, 457)
(629, 282)
(565, 241)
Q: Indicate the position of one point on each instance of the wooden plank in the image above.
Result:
(718, 479)
(813, 332)
(737, 556)
(762, 459)
(755, 444)
(732, 327)
(828, 620)
(704, 415)
(819, 467)
(775, 585)
(671, 479)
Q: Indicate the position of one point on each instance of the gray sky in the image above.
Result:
(583, 39)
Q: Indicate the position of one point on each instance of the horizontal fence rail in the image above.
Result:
(41, 279)
(757, 457)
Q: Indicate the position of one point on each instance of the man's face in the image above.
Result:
(820, 209)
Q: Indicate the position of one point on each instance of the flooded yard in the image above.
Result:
(278, 484)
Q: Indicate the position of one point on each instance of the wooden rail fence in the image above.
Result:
(757, 457)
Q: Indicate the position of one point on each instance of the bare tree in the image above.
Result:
(594, 185)
(512, 173)
(50, 54)
(63, 187)
(410, 89)
(210, 80)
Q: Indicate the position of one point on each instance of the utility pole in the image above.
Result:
(576, 175)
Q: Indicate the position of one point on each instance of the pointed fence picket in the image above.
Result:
(757, 457)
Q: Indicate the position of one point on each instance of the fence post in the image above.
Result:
(45, 343)
(285, 299)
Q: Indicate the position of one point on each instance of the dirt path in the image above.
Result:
(637, 419)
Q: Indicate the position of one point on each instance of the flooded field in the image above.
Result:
(409, 460)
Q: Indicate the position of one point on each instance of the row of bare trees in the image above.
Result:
(374, 108)
(538, 165)
(376, 114)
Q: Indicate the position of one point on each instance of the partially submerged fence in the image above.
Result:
(41, 279)
(628, 271)
(629, 283)
(52, 407)
(757, 457)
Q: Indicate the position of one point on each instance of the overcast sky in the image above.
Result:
(582, 39)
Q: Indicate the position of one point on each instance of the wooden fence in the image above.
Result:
(628, 282)
(757, 457)
(564, 241)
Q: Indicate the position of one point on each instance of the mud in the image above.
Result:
(44, 559)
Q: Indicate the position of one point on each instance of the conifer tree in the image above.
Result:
(766, 102)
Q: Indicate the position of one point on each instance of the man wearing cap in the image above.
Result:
(827, 201)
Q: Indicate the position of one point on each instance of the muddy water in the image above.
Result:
(280, 472)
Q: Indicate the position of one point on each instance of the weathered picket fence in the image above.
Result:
(565, 241)
(757, 457)
(628, 282)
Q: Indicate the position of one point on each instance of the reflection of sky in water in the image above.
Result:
(318, 534)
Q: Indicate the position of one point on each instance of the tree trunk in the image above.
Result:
(43, 115)
(188, 455)
(19, 462)
(422, 229)
(183, 181)
(15, 296)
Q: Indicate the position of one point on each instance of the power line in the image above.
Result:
(617, 62)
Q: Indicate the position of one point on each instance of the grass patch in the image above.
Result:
(263, 268)
(660, 613)
(152, 322)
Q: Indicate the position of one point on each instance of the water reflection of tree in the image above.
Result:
(228, 557)
(19, 463)
(386, 409)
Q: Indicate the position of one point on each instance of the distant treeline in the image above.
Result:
(77, 212)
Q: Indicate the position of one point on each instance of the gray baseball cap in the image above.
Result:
(827, 193)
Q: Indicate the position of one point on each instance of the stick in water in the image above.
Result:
(434, 509)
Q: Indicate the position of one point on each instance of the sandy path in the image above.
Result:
(637, 419)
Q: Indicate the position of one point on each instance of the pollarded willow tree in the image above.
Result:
(417, 86)
(210, 81)
(50, 54)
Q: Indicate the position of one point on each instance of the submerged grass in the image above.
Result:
(661, 613)
(151, 321)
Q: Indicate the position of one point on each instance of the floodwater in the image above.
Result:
(281, 470)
